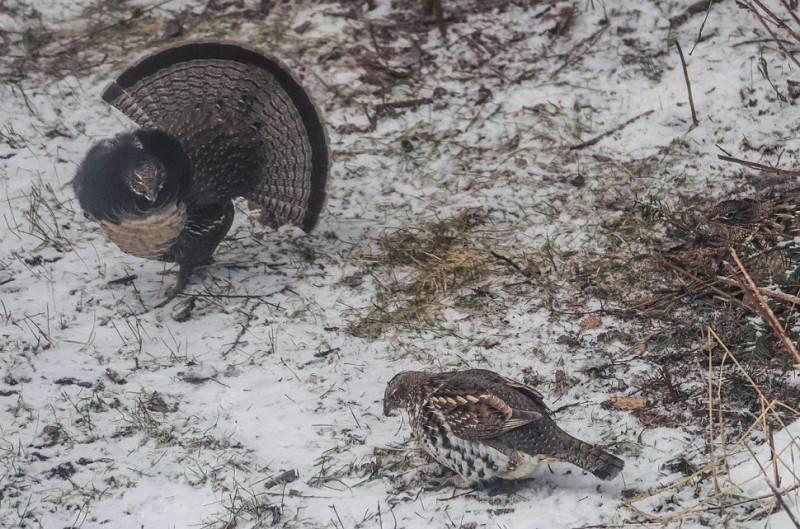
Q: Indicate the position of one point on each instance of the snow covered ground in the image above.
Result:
(115, 413)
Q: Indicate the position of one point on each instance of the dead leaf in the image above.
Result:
(628, 403)
(591, 322)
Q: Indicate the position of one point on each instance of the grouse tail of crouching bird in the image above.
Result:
(218, 120)
(484, 426)
(585, 455)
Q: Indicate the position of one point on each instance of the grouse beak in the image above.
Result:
(389, 412)
(150, 190)
(150, 195)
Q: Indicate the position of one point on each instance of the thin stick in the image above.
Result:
(697, 7)
(508, 261)
(775, 491)
(702, 26)
(759, 166)
(588, 42)
(594, 140)
(439, 13)
(795, 17)
(773, 456)
(409, 103)
(688, 84)
(712, 452)
(100, 29)
(769, 293)
(766, 312)
(700, 284)
(778, 21)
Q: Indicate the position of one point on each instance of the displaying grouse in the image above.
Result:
(218, 120)
(483, 426)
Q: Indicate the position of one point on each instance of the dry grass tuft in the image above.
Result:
(420, 268)
(693, 283)
(439, 256)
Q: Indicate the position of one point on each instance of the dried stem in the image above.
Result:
(759, 166)
(594, 140)
(688, 84)
(772, 34)
(753, 293)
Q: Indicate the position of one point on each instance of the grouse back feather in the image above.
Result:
(235, 120)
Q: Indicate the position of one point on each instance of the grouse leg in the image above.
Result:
(183, 276)
(206, 226)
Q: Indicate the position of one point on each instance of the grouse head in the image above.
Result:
(131, 174)
(133, 184)
(737, 212)
(403, 390)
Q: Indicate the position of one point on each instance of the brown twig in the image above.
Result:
(778, 20)
(769, 293)
(589, 143)
(123, 280)
(407, 103)
(775, 492)
(227, 296)
(759, 166)
(507, 260)
(752, 292)
(688, 84)
(700, 284)
(702, 26)
(588, 42)
(773, 456)
(772, 34)
(439, 13)
(99, 29)
(791, 12)
(667, 376)
(697, 7)
(249, 317)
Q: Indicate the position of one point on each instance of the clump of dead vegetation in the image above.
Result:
(110, 33)
(734, 262)
(732, 265)
(419, 268)
(743, 475)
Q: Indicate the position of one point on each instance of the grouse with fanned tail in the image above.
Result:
(484, 426)
(219, 121)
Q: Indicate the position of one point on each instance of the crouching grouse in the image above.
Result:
(483, 426)
(218, 121)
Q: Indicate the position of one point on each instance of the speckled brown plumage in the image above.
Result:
(747, 220)
(484, 426)
(219, 120)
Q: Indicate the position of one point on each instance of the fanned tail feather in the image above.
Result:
(246, 123)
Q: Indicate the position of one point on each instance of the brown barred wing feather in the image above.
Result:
(476, 416)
